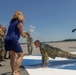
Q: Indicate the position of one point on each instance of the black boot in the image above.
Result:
(0, 65)
(3, 59)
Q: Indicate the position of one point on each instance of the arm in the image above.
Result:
(43, 53)
(45, 48)
(21, 30)
(45, 58)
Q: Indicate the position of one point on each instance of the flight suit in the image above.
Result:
(50, 51)
(2, 51)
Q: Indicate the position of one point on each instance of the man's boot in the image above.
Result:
(3, 59)
(0, 65)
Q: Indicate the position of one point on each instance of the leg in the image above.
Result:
(46, 58)
(2, 56)
(2, 52)
(28, 48)
(12, 60)
(43, 59)
(31, 49)
(5, 56)
(18, 62)
(8, 56)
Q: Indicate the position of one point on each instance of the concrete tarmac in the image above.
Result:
(66, 46)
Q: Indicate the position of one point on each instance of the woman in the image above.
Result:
(11, 41)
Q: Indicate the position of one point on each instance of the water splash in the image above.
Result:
(32, 29)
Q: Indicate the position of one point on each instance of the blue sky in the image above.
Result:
(53, 19)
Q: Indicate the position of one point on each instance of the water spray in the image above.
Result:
(32, 29)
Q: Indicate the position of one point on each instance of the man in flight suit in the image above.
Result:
(29, 40)
(50, 51)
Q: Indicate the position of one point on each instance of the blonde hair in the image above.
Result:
(18, 15)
